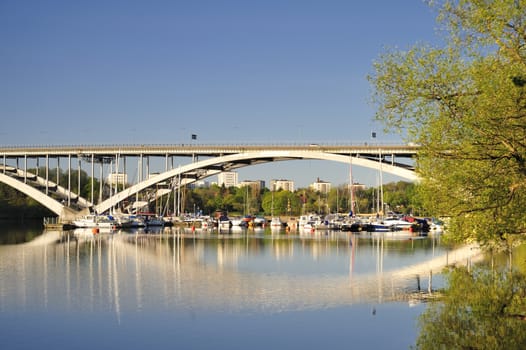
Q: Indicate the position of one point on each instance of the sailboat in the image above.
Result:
(379, 225)
(275, 221)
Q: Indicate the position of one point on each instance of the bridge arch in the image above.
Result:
(209, 167)
(50, 203)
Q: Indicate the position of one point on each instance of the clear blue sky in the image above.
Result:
(122, 72)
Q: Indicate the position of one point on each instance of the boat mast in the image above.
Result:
(351, 186)
(272, 205)
(381, 194)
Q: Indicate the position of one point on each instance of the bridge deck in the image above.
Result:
(204, 150)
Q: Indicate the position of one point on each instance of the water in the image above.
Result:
(188, 290)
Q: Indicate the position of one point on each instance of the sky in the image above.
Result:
(230, 72)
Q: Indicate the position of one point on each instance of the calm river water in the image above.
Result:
(175, 288)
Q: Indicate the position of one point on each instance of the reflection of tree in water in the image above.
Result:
(480, 309)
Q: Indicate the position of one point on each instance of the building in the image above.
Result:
(227, 179)
(357, 186)
(287, 185)
(255, 185)
(117, 178)
(201, 184)
(321, 186)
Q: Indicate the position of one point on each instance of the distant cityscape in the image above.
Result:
(231, 179)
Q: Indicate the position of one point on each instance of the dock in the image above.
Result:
(53, 223)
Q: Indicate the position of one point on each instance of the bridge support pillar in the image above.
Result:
(68, 214)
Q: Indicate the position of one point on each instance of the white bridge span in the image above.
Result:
(20, 166)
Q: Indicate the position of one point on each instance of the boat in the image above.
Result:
(398, 224)
(275, 223)
(154, 221)
(376, 226)
(390, 224)
(307, 219)
(239, 221)
(259, 221)
(436, 226)
(352, 225)
(309, 226)
(151, 219)
(223, 222)
(315, 222)
(129, 221)
(92, 220)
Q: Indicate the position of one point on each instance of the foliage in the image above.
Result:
(15, 205)
(239, 200)
(465, 104)
(483, 309)
(281, 203)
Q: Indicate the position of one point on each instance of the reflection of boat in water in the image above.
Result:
(86, 232)
(100, 221)
(238, 228)
(391, 235)
(224, 225)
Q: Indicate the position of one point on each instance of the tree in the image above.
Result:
(465, 104)
(281, 202)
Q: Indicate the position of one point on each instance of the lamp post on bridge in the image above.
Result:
(193, 137)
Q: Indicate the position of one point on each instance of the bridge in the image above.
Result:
(28, 168)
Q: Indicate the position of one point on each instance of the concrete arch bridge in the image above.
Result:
(34, 170)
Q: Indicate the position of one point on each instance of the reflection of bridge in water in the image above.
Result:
(132, 271)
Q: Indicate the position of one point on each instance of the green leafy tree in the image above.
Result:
(281, 203)
(210, 198)
(465, 104)
(310, 201)
(399, 197)
(16, 205)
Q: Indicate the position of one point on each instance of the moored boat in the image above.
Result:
(129, 221)
(275, 223)
(92, 220)
(152, 219)
(223, 222)
(239, 221)
(259, 221)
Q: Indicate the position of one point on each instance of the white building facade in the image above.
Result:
(287, 185)
(228, 179)
(117, 179)
(321, 186)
